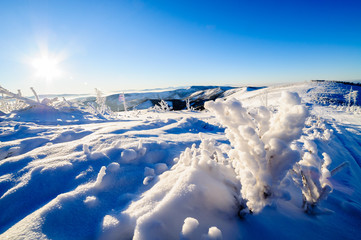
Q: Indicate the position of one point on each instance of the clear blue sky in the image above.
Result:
(115, 45)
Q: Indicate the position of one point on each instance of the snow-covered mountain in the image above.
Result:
(279, 162)
(143, 100)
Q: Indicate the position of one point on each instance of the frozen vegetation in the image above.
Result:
(281, 162)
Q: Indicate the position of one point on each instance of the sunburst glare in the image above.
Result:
(46, 67)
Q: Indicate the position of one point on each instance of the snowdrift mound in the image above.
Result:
(41, 114)
(197, 187)
(193, 125)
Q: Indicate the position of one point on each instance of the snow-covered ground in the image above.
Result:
(258, 164)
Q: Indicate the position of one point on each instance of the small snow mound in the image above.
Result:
(113, 167)
(189, 226)
(149, 175)
(46, 114)
(60, 166)
(91, 201)
(147, 180)
(213, 234)
(93, 155)
(191, 124)
(109, 221)
(128, 155)
(160, 168)
(149, 171)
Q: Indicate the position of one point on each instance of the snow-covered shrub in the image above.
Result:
(199, 185)
(352, 109)
(261, 154)
(188, 105)
(311, 175)
(11, 101)
(100, 101)
(208, 154)
(8, 105)
(49, 102)
(351, 97)
(317, 129)
(100, 108)
(162, 107)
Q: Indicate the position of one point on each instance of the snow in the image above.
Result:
(214, 234)
(281, 162)
(189, 226)
(262, 141)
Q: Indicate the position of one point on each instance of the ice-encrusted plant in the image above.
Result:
(188, 105)
(100, 101)
(162, 106)
(100, 108)
(11, 101)
(311, 174)
(261, 151)
(351, 97)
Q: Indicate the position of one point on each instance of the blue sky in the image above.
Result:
(119, 45)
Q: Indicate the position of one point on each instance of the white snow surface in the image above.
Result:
(235, 171)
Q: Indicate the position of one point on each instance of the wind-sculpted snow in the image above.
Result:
(193, 125)
(260, 164)
(89, 169)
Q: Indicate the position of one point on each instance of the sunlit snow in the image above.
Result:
(277, 162)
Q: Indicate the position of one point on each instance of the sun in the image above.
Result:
(46, 67)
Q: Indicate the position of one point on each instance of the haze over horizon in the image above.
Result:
(76, 46)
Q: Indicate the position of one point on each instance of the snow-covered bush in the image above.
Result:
(8, 105)
(188, 105)
(100, 101)
(351, 97)
(352, 109)
(161, 107)
(11, 101)
(100, 108)
(312, 176)
(317, 129)
(261, 140)
(199, 185)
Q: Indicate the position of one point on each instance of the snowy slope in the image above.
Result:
(168, 175)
